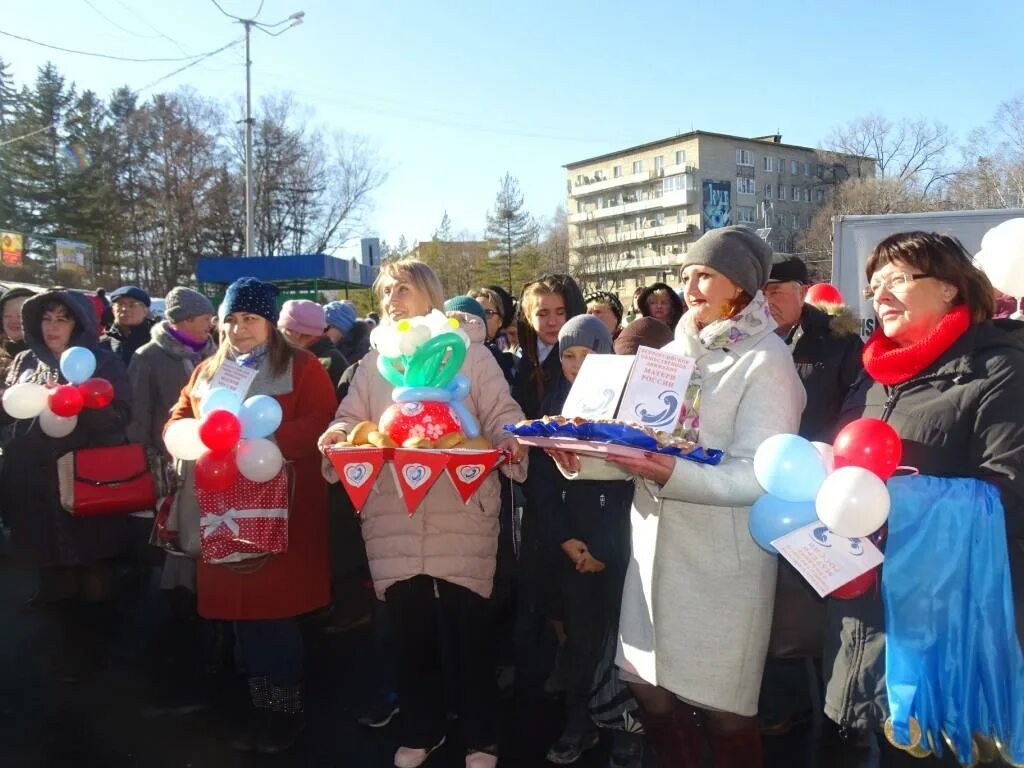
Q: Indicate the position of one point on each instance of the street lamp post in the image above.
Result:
(295, 19)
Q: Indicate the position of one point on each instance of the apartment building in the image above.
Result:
(633, 213)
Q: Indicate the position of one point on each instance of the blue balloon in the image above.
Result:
(77, 364)
(771, 517)
(459, 387)
(260, 416)
(789, 467)
(417, 394)
(220, 399)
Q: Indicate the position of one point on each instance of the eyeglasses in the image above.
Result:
(490, 312)
(897, 283)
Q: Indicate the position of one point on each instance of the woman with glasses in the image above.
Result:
(950, 381)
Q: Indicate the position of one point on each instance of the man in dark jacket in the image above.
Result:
(826, 350)
(131, 322)
(349, 335)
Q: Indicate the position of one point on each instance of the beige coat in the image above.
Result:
(445, 538)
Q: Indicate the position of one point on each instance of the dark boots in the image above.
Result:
(286, 719)
(676, 737)
(248, 740)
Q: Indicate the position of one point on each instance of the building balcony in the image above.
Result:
(610, 266)
(674, 199)
(593, 187)
(632, 235)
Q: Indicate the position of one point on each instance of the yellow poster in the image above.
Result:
(71, 255)
(11, 248)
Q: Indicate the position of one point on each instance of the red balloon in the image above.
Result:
(871, 444)
(430, 419)
(823, 293)
(220, 431)
(859, 586)
(66, 401)
(96, 393)
(216, 471)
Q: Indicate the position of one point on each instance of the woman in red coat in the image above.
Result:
(263, 599)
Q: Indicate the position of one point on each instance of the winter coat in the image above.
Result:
(445, 538)
(158, 371)
(356, 342)
(678, 308)
(960, 417)
(697, 604)
(826, 349)
(125, 343)
(297, 581)
(330, 358)
(40, 527)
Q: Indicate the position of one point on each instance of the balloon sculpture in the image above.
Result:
(57, 408)
(229, 439)
(421, 357)
(842, 485)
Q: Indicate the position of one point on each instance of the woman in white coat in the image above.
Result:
(699, 594)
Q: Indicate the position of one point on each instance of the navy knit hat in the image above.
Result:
(466, 304)
(130, 292)
(247, 294)
(585, 331)
(340, 315)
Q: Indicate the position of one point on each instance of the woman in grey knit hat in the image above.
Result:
(699, 593)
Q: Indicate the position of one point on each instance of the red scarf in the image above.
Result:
(889, 364)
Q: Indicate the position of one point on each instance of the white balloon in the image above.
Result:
(26, 400)
(1008, 234)
(853, 502)
(827, 453)
(57, 426)
(182, 440)
(1005, 270)
(259, 459)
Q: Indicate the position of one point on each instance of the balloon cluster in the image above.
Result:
(58, 407)
(229, 438)
(842, 485)
(421, 358)
(1002, 257)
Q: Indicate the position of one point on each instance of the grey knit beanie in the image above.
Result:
(585, 331)
(737, 252)
(184, 303)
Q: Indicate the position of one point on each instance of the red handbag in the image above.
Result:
(106, 481)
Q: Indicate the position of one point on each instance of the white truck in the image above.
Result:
(853, 238)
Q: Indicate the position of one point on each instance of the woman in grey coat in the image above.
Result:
(697, 605)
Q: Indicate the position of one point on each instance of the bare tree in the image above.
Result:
(993, 173)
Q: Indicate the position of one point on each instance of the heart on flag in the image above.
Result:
(357, 469)
(417, 470)
(468, 469)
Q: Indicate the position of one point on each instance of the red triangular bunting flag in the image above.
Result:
(417, 470)
(468, 469)
(357, 469)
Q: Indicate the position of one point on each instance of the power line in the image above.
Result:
(98, 55)
(170, 39)
(190, 64)
(25, 135)
(131, 32)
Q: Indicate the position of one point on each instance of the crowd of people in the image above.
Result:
(674, 629)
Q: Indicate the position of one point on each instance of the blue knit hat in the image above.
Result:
(466, 304)
(340, 315)
(130, 292)
(247, 294)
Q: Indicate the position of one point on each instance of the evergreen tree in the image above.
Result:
(509, 224)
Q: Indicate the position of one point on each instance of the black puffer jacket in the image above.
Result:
(826, 351)
(125, 343)
(960, 417)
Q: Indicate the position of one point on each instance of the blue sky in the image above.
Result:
(454, 93)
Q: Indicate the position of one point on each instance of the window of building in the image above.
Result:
(745, 185)
(659, 162)
(781, 165)
(767, 191)
(769, 164)
(659, 219)
(674, 183)
(807, 194)
(680, 157)
(794, 167)
(796, 221)
(744, 157)
(795, 194)
(782, 192)
(681, 216)
(767, 218)
(579, 179)
(819, 195)
(616, 171)
(745, 214)
(638, 166)
(807, 169)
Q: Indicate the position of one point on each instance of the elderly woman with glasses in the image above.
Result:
(950, 381)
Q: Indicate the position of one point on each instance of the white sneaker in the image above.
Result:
(481, 760)
(410, 757)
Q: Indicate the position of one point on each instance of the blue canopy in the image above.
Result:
(328, 272)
